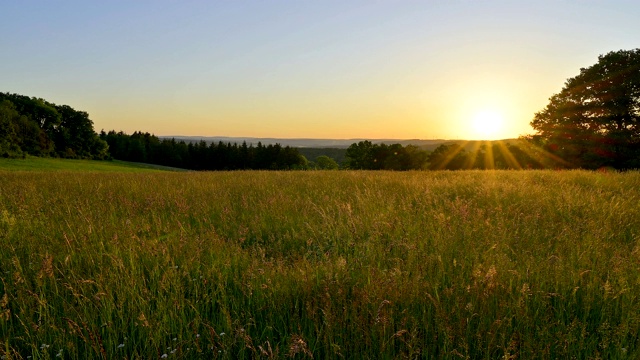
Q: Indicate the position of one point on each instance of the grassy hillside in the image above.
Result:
(440, 265)
(52, 164)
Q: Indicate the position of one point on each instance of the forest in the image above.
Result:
(148, 148)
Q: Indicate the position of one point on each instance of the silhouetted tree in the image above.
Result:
(417, 158)
(595, 119)
(359, 155)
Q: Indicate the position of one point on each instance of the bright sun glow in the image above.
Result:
(488, 124)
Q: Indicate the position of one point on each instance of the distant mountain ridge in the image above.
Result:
(305, 142)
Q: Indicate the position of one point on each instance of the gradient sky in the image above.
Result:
(315, 69)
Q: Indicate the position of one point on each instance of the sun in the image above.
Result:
(488, 124)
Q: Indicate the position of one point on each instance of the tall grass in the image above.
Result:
(434, 265)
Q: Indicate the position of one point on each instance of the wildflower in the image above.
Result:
(221, 334)
(164, 356)
(173, 351)
(197, 335)
(120, 346)
(174, 339)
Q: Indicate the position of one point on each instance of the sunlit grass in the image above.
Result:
(452, 265)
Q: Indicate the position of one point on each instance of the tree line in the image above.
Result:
(148, 148)
(489, 155)
(365, 155)
(483, 155)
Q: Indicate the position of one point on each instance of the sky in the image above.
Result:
(308, 69)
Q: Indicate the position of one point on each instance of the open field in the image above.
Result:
(32, 163)
(435, 265)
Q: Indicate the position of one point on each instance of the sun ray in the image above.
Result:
(449, 156)
(489, 160)
(471, 159)
(508, 156)
(545, 158)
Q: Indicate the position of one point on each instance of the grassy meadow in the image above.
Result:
(32, 163)
(329, 265)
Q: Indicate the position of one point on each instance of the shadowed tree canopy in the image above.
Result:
(367, 156)
(488, 155)
(148, 148)
(37, 127)
(324, 162)
(9, 127)
(595, 120)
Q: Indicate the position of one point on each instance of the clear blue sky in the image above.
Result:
(318, 69)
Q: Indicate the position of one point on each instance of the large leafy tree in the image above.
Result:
(41, 128)
(360, 155)
(323, 162)
(595, 120)
(75, 137)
